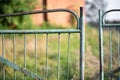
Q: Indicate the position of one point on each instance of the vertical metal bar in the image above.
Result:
(46, 56)
(118, 46)
(68, 57)
(1, 68)
(58, 72)
(82, 44)
(36, 54)
(14, 55)
(3, 55)
(111, 55)
(45, 17)
(25, 54)
(101, 55)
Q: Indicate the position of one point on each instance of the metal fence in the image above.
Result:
(109, 46)
(28, 68)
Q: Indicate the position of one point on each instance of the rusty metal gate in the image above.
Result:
(10, 60)
(109, 46)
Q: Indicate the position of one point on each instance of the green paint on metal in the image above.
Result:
(111, 25)
(80, 30)
(101, 55)
(39, 31)
(114, 73)
(17, 68)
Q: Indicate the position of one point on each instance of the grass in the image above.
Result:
(92, 39)
(91, 55)
(41, 54)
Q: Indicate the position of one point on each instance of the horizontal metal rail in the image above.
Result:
(39, 31)
(42, 11)
(113, 73)
(79, 30)
(109, 25)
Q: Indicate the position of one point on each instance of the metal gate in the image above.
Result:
(22, 69)
(109, 46)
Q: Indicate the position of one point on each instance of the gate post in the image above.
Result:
(101, 46)
(82, 44)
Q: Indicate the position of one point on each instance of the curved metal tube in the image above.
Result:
(42, 11)
(113, 10)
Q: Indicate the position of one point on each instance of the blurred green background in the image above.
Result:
(26, 23)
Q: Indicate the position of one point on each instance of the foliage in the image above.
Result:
(92, 7)
(13, 6)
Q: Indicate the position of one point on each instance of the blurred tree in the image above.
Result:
(92, 7)
(12, 6)
(44, 8)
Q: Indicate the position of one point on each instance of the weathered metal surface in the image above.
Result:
(42, 11)
(82, 45)
(102, 24)
(80, 30)
(22, 70)
(101, 56)
(39, 31)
